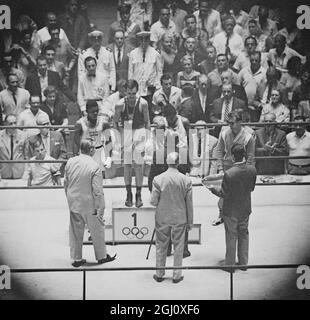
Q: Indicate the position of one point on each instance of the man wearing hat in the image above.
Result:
(130, 28)
(104, 58)
(145, 67)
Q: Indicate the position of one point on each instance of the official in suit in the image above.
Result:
(172, 197)
(52, 140)
(238, 183)
(12, 147)
(270, 141)
(84, 191)
(38, 81)
(120, 51)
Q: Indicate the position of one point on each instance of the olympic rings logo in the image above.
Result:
(136, 232)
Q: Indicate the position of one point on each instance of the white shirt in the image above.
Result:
(43, 35)
(147, 73)
(105, 64)
(212, 23)
(235, 43)
(27, 118)
(243, 60)
(92, 88)
(7, 103)
(109, 104)
(281, 111)
(203, 99)
(174, 98)
(158, 30)
(299, 147)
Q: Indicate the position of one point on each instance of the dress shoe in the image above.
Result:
(78, 263)
(217, 222)
(186, 253)
(107, 259)
(128, 202)
(139, 202)
(157, 278)
(178, 279)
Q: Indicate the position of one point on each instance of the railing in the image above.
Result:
(229, 269)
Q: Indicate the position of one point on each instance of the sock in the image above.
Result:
(138, 192)
(128, 188)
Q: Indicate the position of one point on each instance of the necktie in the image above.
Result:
(12, 146)
(269, 93)
(144, 56)
(199, 146)
(14, 98)
(226, 109)
(119, 58)
(227, 50)
(97, 55)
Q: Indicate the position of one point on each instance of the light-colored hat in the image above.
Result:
(95, 34)
(43, 119)
(143, 34)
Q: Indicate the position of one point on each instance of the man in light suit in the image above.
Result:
(172, 196)
(12, 147)
(84, 191)
(120, 51)
(238, 183)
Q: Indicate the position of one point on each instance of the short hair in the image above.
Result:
(10, 115)
(210, 45)
(11, 74)
(270, 114)
(250, 37)
(221, 55)
(173, 158)
(238, 151)
(165, 76)
(49, 47)
(50, 89)
(132, 84)
(190, 16)
(91, 104)
(187, 58)
(54, 26)
(253, 21)
(122, 83)
(228, 17)
(281, 36)
(41, 58)
(235, 115)
(124, 8)
(119, 30)
(256, 53)
(86, 146)
(37, 95)
(89, 58)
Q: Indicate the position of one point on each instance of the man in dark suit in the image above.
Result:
(221, 107)
(270, 141)
(38, 81)
(202, 100)
(120, 52)
(237, 185)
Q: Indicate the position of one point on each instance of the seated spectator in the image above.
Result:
(12, 147)
(42, 174)
(276, 106)
(290, 80)
(256, 32)
(185, 108)
(168, 54)
(270, 141)
(130, 28)
(177, 14)
(221, 66)
(52, 64)
(268, 26)
(188, 75)
(209, 64)
(52, 141)
(203, 146)
(273, 77)
(29, 116)
(192, 31)
(38, 81)
(228, 42)
(280, 55)
(302, 92)
(43, 35)
(162, 26)
(55, 108)
(299, 146)
(166, 94)
(304, 110)
(235, 9)
(13, 99)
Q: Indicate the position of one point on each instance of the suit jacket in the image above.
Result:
(198, 113)
(83, 185)
(216, 108)
(237, 185)
(238, 92)
(270, 166)
(173, 198)
(57, 145)
(122, 70)
(12, 170)
(34, 87)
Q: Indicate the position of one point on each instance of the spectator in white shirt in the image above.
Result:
(93, 85)
(228, 41)
(164, 26)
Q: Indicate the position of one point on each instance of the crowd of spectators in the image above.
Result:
(194, 62)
